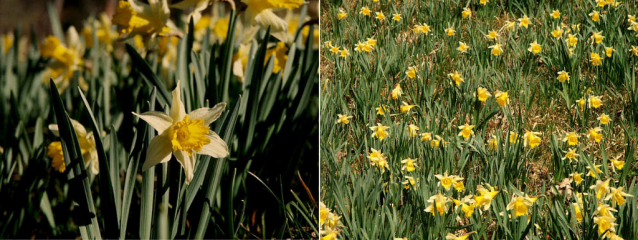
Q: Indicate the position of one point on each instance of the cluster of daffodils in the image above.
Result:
(329, 223)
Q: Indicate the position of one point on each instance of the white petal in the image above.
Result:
(267, 19)
(79, 129)
(157, 120)
(54, 129)
(186, 162)
(158, 151)
(238, 70)
(95, 162)
(208, 114)
(217, 148)
(177, 106)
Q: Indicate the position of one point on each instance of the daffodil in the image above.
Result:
(397, 91)
(493, 143)
(571, 138)
(486, 196)
(87, 147)
(557, 33)
(342, 14)
(502, 98)
(379, 131)
(617, 196)
(616, 163)
(344, 53)
(563, 76)
(343, 118)
(425, 29)
(572, 40)
(593, 172)
(531, 139)
(365, 11)
(496, 49)
(66, 59)
(103, 31)
(280, 55)
(409, 182)
(450, 31)
(466, 13)
(482, 94)
(598, 37)
(406, 108)
(519, 205)
(524, 22)
(606, 223)
(492, 35)
(577, 177)
(456, 77)
(409, 164)
(595, 16)
(426, 137)
(381, 110)
(396, 17)
(483, 2)
(183, 135)
(571, 155)
(634, 50)
(466, 131)
(603, 118)
(451, 236)
(446, 180)
(138, 18)
(581, 103)
(509, 25)
(411, 72)
(463, 47)
(555, 14)
(609, 51)
(595, 59)
(578, 212)
(513, 137)
(412, 130)
(604, 210)
(380, 16)
(594, 101)
(534, 48)
(378, 160)
(438, 205)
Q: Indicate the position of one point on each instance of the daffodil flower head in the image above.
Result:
(557, 33)
(617, 196)
(563, 76)
(409, 164)
(463, 47)
(531, 139)
(365, 11)
(604, 119)
(534, 48)
(571, 138)
(483, 94)
(555, 14)
(466, 131)
(412, 130)
(342, 14)
(396, 17)
(595, 16)
(451, 236)
(524, 22)
(571, 155)
(343, 118)
(450, 31)
(496, 49)
(406, 108)
(577, 177)
(519, 205)
(183, 135)
(466, 13)
(456, 77)
(87, 147)
(137, 18)
(379, 131)
(492, 35)
(502, 98)
(438, 204)
(397, 91)
(380, 16)
(411, 72)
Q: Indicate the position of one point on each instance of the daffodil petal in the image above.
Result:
(177, 106)
(217, 148)
(209, 115)
(186, 162)
(79, 129)
(157, 120)
(158, 151)
(267, 19)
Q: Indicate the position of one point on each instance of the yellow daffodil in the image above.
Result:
(531, 139)
(509, 25)
(524, 22)
(438, 204)
(411, 72)
(577, 177)
(466, 131)
(594, 134)
(598, 37)
(609, 51)
(593, 172)
(486, 196)
(451, 236)
(463, 47)
(409, 164)
(447, 180)
(595, 59)
(513, 137)
(397, 91)
(482, 94)
(466, 13)
(604, 119)
(183, 135)
(571, 155)
(572, 40)
(378, 160)
(502, 98)
(426, 137)
(616, 163)
(581, 103)
(409, 182)
(571, 138)
(496, 49)
(594, 102)
(534, 48)
(105, 34)
(563, 76)
(379, 131)
(606, 223)
(520, 205)
(66, 59)
(343, 118)
(557, 33)
(493, 143)
(406, 108)
(380, 16)
(396, 17)
(344, 53)
(334, 49)
(456, 77)
(365, 11)
(425, 29)
(450, 31)
(412, 130)
(617, 196)
(381, 110)
(138, 18)
(555, 14)
(492, 35)
(483, 2)
(595, 16)
(87, 147)
(634, 50)
(342, 14)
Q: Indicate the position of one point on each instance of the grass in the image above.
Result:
(255, 192)
(377, 204)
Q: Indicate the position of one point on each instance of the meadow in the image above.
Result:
(482, 119)
(162, 121)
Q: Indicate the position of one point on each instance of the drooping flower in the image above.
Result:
(486, 196)
(466, 13)
(482, 94)
(405, 107)
(138, 18)
(397, 91)
(379, 131)
(563, 76)
(426, 136)
(466, 131)
(409, 164)
(595, 59)
(496, 49)
(616, 163)
(342, 14)
(343, 118)
(595, 16)
(609, 51)
(598, 37)
(438, 204)
(183, 135)
(617, 196)
(456, 77)
(412, 130)
(502, 98)
(531, 139)
(593, 172)
(520, 205)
